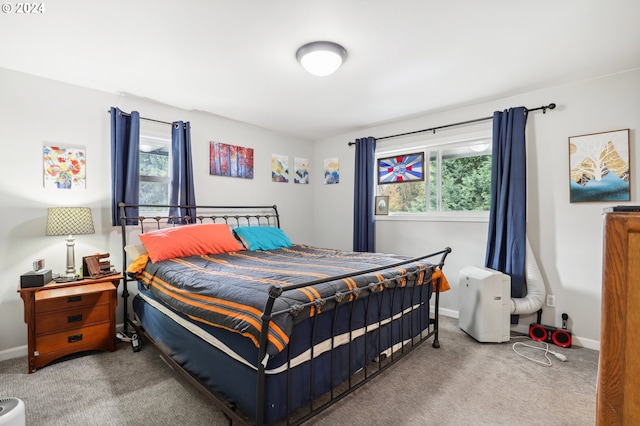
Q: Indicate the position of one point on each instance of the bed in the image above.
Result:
(269, 330)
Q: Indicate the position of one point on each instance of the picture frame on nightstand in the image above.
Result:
(97, 265)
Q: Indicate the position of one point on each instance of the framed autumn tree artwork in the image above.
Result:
(599, 167)
(230, 160)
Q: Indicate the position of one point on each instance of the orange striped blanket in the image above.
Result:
(230, 290)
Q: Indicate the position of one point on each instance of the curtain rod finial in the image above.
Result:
(550, 106)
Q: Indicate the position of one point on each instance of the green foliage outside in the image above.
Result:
(155, 163)
(466, 183)
(154, 177)
(405, 197)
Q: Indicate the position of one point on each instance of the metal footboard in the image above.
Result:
(419, 331)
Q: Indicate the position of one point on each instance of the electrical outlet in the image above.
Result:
(551, 301)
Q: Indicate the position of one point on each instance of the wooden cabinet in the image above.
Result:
(63, 319)
(618, 392)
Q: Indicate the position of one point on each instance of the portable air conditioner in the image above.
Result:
(485, 304)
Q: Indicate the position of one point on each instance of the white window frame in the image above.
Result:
(427, 146)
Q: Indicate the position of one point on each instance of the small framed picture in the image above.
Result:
(382, 205)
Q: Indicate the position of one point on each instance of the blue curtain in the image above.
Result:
(363, 201)
(182, 187)
(125, 169)
(506, 243)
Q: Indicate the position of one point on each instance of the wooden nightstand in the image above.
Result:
(65, 318)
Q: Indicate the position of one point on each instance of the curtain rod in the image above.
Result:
(144, 118)
(544, 109)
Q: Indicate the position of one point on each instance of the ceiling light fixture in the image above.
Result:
(321, 58)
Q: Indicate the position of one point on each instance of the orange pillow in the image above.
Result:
(190, 240)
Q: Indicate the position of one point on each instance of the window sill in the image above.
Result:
(452, 217)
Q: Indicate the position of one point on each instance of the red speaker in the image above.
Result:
(546, 333)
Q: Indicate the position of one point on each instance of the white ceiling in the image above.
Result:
(406, 57)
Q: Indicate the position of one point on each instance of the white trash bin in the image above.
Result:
(12, 412)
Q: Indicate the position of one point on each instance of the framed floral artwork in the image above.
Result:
(599, 168)
(64, 167)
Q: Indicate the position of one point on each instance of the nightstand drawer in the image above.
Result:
(72, 297)
(72, 318)
(70, 339)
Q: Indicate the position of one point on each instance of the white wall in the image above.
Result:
(35, 110)
(566, 237)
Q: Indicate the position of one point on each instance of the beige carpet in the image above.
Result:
(462, 383)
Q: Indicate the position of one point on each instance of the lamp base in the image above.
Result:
(71, 258)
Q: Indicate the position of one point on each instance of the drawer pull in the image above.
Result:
(74, 299)
(74, 338)
(74, 318)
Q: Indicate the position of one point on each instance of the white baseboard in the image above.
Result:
(524, 329)
(11, 353)
(19, 351)
(586, 343)
(447, 312)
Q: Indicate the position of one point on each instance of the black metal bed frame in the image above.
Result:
(273, 219)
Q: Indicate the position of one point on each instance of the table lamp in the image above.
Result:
(70, 221)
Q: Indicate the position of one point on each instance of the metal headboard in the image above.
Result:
(234, 216)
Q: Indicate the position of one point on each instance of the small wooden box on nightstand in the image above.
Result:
(66, 318)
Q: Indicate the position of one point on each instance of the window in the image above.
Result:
(155, 178)
(458, 179)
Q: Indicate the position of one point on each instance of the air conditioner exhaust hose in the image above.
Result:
(536, 293)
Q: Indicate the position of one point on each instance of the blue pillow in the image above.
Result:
(261, 237)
